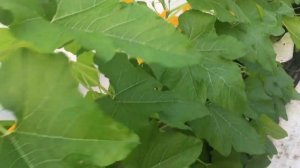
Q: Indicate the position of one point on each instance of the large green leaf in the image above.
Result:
(127, 26)
(217, 79)
(224, 130)
(56, 126)
(138, 95)
(164, 150)
(222, 78)
(224, 83)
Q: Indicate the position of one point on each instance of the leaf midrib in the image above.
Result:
(157, 165)
(63, 138)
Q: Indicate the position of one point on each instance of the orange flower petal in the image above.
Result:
(186, 7)
(128, 1)
(12, 128)
(163, 14)
(174, 21)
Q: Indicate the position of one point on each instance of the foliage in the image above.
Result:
(206, 93)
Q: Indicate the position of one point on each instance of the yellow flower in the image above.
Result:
(128, 1)
(140, 61)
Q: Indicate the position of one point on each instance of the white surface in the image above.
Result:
(6, 115)
(284, 48)
(289, 148)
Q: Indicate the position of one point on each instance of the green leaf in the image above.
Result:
(217, 79)
(259, 101)
(199, 27)
(56, 126)
(260, 161)
(260, 48)
(196, 24)
(127, 26)
(164, 150)
(214, 79)
(256, 34)
(225, 46)
(225, 10)
(224, 82)
(271, 128)
(231, 161)
(184, 81)
(6, 123)
(136, 90)
(85, 71)
(21, 10)
(8, 42)
(224, 130)
(292, 24)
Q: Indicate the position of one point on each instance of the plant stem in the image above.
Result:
(203, 163)
(105, 90)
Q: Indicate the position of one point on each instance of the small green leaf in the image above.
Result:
(85, 71)
(271, 128)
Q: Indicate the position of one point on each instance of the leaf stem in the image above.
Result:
(106, 91)
(203, 163)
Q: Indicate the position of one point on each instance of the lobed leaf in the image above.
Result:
(56, 127)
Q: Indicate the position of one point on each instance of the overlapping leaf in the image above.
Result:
(138, 95)
(128, 27)
(56, 127)
(200, 28)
